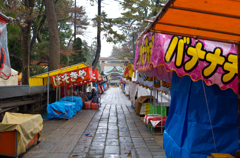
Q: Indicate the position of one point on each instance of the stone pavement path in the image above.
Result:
(113, 131)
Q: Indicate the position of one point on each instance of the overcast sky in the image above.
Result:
(113, 10)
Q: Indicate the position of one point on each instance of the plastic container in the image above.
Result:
(94, 106)
(87, 105)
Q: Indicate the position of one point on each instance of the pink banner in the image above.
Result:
(215, 62)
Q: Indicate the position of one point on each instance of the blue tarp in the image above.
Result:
(104, 87)
(69, 104)
(188, 131)
(62, 107)
(75, 99)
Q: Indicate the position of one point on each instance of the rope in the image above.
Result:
(206, 102)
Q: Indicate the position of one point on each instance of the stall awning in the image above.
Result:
(203, 19)
(41, 79)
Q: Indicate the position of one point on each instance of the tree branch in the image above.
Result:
(18, 59)
(64, 19)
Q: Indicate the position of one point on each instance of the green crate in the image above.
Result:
(157, 110)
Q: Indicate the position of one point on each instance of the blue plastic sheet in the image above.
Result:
(77, 100)
(61, 107)
(188, 131)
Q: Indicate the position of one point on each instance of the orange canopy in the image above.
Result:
(217, 20)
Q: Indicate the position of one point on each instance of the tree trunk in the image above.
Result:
(25, 37)
(36, 31)
(95, 61)
(54, 52)
(75, 21)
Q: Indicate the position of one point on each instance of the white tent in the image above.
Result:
(12, 81)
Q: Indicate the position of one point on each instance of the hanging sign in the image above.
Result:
(95, 77)
(69, 78)
(214, 62)
(5, 66)
(128, 71)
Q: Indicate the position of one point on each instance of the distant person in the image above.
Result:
(94, 96)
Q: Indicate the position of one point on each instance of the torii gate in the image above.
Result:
(103, 64)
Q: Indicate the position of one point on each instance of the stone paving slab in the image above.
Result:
(62, 140)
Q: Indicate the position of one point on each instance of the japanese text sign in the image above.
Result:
(69, 78)
(214, 62)
(95, 77)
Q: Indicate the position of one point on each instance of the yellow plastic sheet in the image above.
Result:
(147, 109)
(27, 126)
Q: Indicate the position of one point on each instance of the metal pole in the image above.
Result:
(133, 47)
(157, 98)
(161, 108)
(48, 90)
(150, 95)
(59, 91)
(56, 93)
(72, 93)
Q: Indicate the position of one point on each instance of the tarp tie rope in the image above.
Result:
(206, 102)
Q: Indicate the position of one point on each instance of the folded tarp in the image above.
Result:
(77, 100)
(61, 109)
(188, 131)
(27, 126)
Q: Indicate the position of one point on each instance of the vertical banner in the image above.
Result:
(5, 66)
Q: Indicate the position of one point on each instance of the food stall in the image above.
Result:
(68, 77)
(203, 115)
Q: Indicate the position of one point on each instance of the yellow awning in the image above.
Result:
(41, 79)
